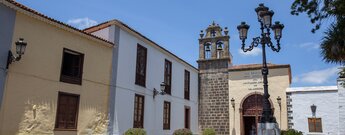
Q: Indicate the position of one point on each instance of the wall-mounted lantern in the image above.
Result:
(279, 100)
(313, 109)
(20, 49)
(162, 92)
(233, 102)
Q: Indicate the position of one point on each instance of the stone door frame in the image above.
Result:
(241, 108)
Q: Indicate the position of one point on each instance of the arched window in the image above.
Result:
(220, 46)
(208, 48)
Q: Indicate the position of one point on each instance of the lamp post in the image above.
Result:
(233, 122)
(267, 124)
(279, 100)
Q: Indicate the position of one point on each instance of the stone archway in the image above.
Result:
(251, 110)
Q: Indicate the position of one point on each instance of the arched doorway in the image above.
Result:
(251, 110)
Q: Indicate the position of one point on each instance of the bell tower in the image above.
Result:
(214, 48)
(214, 60)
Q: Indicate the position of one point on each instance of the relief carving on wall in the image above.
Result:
(37, 119)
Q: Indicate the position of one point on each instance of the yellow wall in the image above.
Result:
(32, 85)
(244, 83)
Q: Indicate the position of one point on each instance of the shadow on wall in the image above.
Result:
(233, 131)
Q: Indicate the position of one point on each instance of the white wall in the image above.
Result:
(326, 100)
(153, 113)
(341, 100)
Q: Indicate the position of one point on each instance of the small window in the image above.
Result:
(186, 84)
(140, 74)
(67, 111)
(166, 115)
(315, 125)
(139, 102)
(72, 67)
(167, 76)
(187, 117)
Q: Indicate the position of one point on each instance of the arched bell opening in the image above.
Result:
(220, 48)
(208, 48)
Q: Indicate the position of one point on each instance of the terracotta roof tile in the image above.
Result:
(111, 22)
(21, 6)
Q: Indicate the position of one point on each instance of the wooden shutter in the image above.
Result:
(72, 67)
(139, 102)
(315, 125)
(140, 75)
(67, 111)
(187, 118)
(166, 115)
(186, 84)
(167, 76)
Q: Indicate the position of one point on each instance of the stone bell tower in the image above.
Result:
(214, 60)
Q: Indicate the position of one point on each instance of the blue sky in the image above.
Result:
(175, 25)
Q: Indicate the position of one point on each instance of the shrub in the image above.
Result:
(135, 131)
(183, 131)
(209, 131)
(291, 132)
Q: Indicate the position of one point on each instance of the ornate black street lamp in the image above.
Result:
(268, 122)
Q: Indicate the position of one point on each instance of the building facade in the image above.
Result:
(61, 83)
(107, 79)
(341, 102)
(316, 110)
(246, 89)
(142, 66)
(231, 95)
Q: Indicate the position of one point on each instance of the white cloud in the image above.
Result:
(317, 76)
(255, 52)
(309, 45)
(82, 23)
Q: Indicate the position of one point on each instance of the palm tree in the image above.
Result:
(333, 44)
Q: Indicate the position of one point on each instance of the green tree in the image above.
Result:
(333, 42)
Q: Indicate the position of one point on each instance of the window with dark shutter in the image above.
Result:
(167, 76)
(72, 67)
(138, 111)
(187, 117)
(166, 115)
(186, 84)
(140, 74)
(315, 125)
(67, 111)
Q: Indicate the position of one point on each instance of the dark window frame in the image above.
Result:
(140, 79)
(140, 123)
(187, 117)
(312, 125)
(72, 79)
(186, 85)
(57, 126)
(166, 115)
(167, 76)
